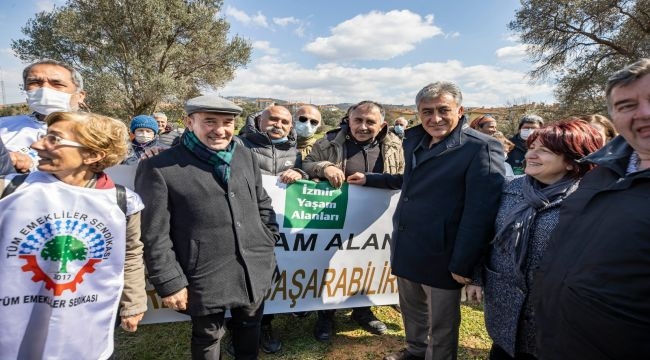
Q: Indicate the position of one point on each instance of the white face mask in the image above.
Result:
(305, 129)
(525, 133)
(144, 136)
(46, 101)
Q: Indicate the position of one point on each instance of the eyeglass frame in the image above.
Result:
(313, 122)
(59, 141)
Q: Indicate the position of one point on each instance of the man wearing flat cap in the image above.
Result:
(206, 251)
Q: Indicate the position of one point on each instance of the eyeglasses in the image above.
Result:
(54, 140)
(303, 119)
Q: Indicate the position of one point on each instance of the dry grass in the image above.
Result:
(171, 341)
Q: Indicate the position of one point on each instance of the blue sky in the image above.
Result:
(347, 51)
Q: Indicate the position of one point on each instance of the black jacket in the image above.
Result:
(517, 155)
(218, 242)
(272, 159)
(445, 215)
(593, 288)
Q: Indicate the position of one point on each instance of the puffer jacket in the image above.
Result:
(272, 158)
(330, 150)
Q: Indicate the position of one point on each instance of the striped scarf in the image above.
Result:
(220, 159)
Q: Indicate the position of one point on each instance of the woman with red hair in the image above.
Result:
(528, 213)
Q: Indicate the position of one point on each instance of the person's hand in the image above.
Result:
(474, 293)
(290, 176)
(461, 279)
(334, 175)
(130, 323)
(177, 301)
(21, 161)
(357, 178)
(152, 151)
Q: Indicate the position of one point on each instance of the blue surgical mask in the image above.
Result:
(279, 141)
(304, 129)
(399, 129)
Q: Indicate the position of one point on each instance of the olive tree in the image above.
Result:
(138, 54)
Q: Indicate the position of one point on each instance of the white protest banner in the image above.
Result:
(333, 252)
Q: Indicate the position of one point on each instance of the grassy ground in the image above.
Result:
(171, 341)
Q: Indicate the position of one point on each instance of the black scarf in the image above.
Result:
(514, 235)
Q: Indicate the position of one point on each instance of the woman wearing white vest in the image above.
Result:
(71, 245)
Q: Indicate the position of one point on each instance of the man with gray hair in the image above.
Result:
(592, 285)
(527, 124)
(50, 86)
(167, 135)
(443, 221)
(209, 229)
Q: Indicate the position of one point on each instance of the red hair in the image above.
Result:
(571, 138)
(479, 121)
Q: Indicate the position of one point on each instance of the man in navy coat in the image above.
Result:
(443, 221)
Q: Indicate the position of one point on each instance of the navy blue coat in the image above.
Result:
(445, 216)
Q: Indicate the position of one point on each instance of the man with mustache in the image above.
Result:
(271, 137)
(362, 144)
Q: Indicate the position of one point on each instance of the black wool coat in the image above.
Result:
(444, 219)
(592, 290)
(218, 242)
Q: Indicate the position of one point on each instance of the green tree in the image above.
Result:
(581, 42)
(247, 109)
(137, 54)
(330, 118)
(64, 249)
(14, 110)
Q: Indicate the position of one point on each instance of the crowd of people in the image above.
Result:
(549, 228)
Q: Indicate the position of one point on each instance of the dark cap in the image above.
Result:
(211, 104)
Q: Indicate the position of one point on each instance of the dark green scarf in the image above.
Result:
(219, 159)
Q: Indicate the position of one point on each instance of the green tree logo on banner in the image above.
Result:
(64, 249)
(315, 205)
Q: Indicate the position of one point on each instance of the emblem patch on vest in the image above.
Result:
(61, 248)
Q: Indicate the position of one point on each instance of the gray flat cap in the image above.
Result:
(211, 104)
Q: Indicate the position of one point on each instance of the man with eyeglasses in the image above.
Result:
(306, 120)
(50, 86)
(362, 144)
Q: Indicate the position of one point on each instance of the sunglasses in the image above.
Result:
(303, 119)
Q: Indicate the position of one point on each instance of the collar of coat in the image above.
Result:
(454, 139)
(615, 155)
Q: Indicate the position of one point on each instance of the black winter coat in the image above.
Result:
(593, 288)
(444, 219)
(517, 156)
(218, 242)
